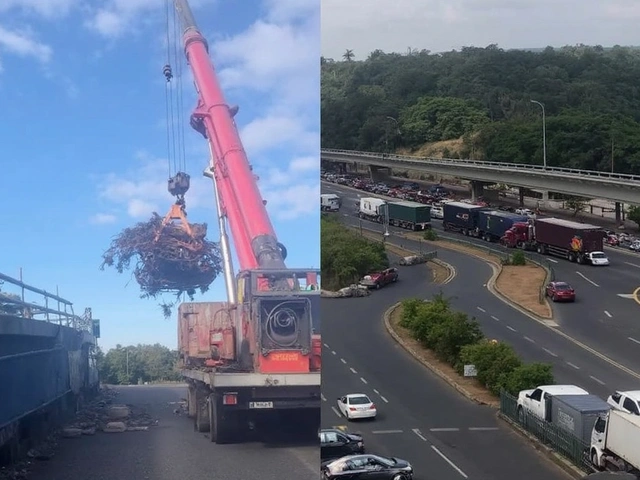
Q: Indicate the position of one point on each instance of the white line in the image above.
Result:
(511, 328)
(335, 410)
(481, 309)
(549, 352)
(384, 399)
(446, 459)
(324, 399)
(353, 370)
(419, 434)
(444, 429)
(483, 429)
(634, 340)
(343, 361)
(573, 365)
(596, 380)
(363, 380)
(552, 260)
(382, 432)
(633, 264)
(325, 345)
(376, 391)
(495, 318)
(529, 339)
(608, 314)
(590, 281)
(333, 352)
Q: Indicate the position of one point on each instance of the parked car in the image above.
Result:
(361, 467)
(560, 291)
(437, 212)
(635, 246)
(335, 443)
(628, 401)
(356, 406)
(380, 279)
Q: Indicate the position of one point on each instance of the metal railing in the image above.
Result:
(559, 440)
(514, 167)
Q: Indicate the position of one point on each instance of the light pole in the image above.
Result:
(544, 134)
(386, 133)
(386, 222)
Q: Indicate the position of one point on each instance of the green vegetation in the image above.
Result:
(479, 99)
(430, 235)
(516, 259)
(137, 364)
(633, 214)
(458, 340)
(346, 255)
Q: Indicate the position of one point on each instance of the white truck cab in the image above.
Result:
(330, 202)
(535, 401)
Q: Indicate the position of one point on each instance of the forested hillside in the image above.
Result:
(480, 100)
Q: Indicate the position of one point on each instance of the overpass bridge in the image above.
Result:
(617, 187)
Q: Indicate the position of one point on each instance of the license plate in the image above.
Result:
(260, 404)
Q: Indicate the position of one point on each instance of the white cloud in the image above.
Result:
(102, 218)
(44, 8)
(274, 131)
(24, 44)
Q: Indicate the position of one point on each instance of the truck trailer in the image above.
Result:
(615, 442)
(492, 224)
(410, 215)
(577, 414)
(460, 217)
(577, 242)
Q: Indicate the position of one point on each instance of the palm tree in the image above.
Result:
(348, 55)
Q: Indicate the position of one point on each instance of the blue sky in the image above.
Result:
(83, 138)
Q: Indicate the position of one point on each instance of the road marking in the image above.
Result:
(363, 380)
(634, 340)
(573, 365)
(325, 345)
(483, 429)
(333, 352)
(590, 281)
(608, 314)
(495, 318)
(636, 295)
(633, 264)
(481, 309)
(446, 459)
(552, 260)
(627, 295)
(353, 370)
(444, 429)
(419, 434)
(383, 432)
(529, 339)
(549, 352)
(335, 410)
(511, 328)
(596, 380)
(343, 361)
(384, 399)
(324, 399)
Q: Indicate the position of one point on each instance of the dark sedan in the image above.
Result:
(335, 443)
(561, 291)
(361, 467)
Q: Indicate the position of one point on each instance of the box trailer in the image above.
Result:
(577, 414)
(409, 215)
(492, 224)
(615, 441)
(460, 217)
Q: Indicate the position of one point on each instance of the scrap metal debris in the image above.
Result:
(347, 292)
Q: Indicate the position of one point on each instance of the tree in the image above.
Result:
(137, 364)
(633, 214)
(576, 205)
(348, 55)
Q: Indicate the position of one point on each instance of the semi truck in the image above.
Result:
(492, 224)
(372, 208)
(329, 202)
(615, 442)
(577, 242)
(255, 359)
(460, 217)
(410, 215)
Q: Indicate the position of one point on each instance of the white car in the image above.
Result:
(525, 211)
(598, 259)
(356, 406)
(437, 212)
(628, 402)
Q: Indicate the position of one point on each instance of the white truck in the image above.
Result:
(372, 208)
(329, 202)
(537, 401)
(615, 442)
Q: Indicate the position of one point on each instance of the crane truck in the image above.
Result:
(256, 357)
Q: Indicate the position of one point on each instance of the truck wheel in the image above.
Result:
(540, 249)
(201, 422)
(594, 460)
(580, 259)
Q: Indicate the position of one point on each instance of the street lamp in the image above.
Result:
(544, 134)
(386, 222)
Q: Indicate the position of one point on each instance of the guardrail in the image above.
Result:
(566, 444)
(521, 167)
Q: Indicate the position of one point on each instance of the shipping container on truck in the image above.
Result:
(409, 215)
(461, 217)
(577, 414)
(615, 442)
(372, 208)
(492, 224)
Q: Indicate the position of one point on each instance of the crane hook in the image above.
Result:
(166, 71)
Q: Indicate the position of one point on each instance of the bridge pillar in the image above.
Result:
(477, 190)
(619, 218)
(521, 197)
(379, 174)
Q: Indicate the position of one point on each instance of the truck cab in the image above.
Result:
(330, 202)
(537, 401)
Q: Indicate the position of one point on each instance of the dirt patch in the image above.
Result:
(469, 387)
(440, 272)
(515, 283)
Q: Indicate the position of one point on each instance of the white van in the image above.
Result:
(329, 202)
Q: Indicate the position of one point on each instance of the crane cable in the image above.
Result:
(168, 94)
(179, 58)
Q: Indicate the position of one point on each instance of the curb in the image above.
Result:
(450, 268)
(556, 458)
(433, 368)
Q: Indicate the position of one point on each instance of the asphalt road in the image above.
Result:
(600, 318)
(172, 450)
(420, 418)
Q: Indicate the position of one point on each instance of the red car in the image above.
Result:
(561, 291)
(380, 279)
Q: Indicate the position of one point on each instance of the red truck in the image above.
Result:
(577, 242)
(380, 279)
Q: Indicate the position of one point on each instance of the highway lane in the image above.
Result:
(600, 318)
(421, 418)
(172, 450)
